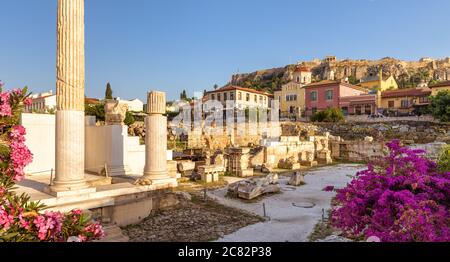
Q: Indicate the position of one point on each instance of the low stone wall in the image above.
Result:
(357, 151)
(414, 131)
(243, 136)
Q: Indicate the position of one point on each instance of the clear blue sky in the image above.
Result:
(170, 45)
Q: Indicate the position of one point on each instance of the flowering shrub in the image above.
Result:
(21, 219)
(444, 160)
(401, 198)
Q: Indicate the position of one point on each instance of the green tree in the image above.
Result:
(353, 80)
(215, 86)
(329, 115)
(95, 110)
(108, 92)
(440, 106)
(129, 119)
(183, 95)
(444, 160)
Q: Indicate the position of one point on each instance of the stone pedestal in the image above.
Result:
(70, 175)
(238, 162)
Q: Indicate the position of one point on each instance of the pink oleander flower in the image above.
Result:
(28, 102)
(24, 223)
(5, 107)
(49, 225)
(17, 133)
(95, 230)
(77, 212)
(6, 219)
(82, 238)
(20, 157)
(2, 192)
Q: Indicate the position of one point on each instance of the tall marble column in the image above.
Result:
(156, 138)
(70, 122)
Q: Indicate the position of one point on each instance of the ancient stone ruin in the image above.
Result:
(254, 187)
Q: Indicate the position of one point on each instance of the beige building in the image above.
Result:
(292, 95)
(243, 97)
(134, 105)
(442, 86)
(43, 102)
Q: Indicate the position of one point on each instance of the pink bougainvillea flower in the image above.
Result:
(401, 198)
(328, 189)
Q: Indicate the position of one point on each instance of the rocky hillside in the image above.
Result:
(407, 73)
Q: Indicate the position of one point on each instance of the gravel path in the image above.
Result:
(289, 223)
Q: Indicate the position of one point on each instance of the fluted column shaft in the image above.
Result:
(156, 138)
(70, 68)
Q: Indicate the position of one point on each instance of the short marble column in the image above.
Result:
(156, 171)
(70, 119)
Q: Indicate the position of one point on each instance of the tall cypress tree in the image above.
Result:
(108, 92)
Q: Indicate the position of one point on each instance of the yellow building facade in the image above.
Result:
(443, 86)
(403, 101)
(292, 99)
(379, 83)
(291, 96)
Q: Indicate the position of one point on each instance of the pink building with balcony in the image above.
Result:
(329, 94)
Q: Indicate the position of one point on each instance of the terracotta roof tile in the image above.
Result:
(405, 92)
(441, 84)
(233, 87)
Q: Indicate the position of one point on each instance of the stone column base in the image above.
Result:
(69, 161)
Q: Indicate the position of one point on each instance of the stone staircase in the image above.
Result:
(113, 234)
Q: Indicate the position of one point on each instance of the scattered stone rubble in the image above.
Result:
(297, 179)
(255, 187)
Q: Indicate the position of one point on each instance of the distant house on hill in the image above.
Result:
(375, 83)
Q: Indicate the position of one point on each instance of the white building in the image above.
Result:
(243, 97)
(42, 102)
(134, 105)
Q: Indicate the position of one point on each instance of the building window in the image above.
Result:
(240, 96)
(314, 110)
(368, 110)
(213, 97)
(219, 97)
(358, 110)
(231, 96)
(298, 79)
(345, 111)
(329, 95)
(225, 97)
(405, 103)
(391, 104)
(313, 96)
(424, 100)
(247, 98)
(260, 99)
